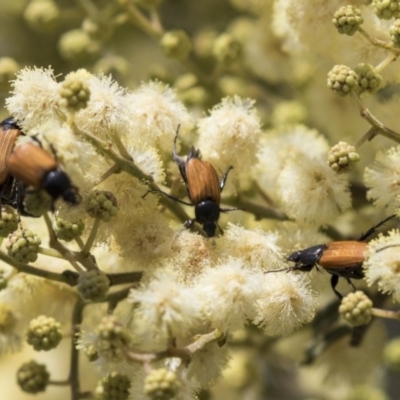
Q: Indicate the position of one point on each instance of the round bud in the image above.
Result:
(226, 49)
(161, 384)
(74, 91)
(97, 31)
(42, 16)
(112, 64)
(114, 386)
(391, 354)
(8, 68)
(369, 81)
(148, 3)
(23, 246)
(347, 20)
(176, 44)
(37, 202)
(4, 276)
(8, 220)
(101, 204)
(342, 157)
(387, 9)
(342, 80)
(91, 353)
(76, 45)
(68, 231)
(394, 32)
(44, 333)
(356, 308)
(33, 377)
(7, 319)
(113, 339)
(93, 285)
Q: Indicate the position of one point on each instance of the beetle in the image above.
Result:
(340, 258)
(32, 165)
(203, 187)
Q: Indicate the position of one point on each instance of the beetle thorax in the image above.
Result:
(57, 184)
(207, 213)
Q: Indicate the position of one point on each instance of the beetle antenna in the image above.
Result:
(225, 210)
(374, 228)
(224, 178)
(387, 247)
(168, 195)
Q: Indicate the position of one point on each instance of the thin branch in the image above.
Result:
(92, 237)
(125, 277)
(379, 43)
(388, 314)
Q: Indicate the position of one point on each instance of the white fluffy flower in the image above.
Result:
(155, 114)
(228, 293)
(230, 135)
(34, 97)
(382, 263)
(383, 179)
(166, 308)
(310, 192)
(285, 304)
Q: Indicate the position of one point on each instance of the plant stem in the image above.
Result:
(379, 43)
(388, 314)
(92, 237)
(384, 63)
(374, 122)
(125, 277)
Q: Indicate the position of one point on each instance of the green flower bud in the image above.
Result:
(148, 3)
(23, 246)
(112, 64)
(7, 319)
(93, 285)
(101, 204)
(33, 377)
(386, 9)
(37, 202)
(161, 384)
(342, 157)
(91, 353)
(356, 308)
(8, 220)
(8, 68)
(113, 339)
(226, 49)
(97, 31)
(347, 20)
(76, 45)
(42, 16)
(342, 80)
(391, 354)
(68, 231)
(44, 333)
(114, 386)
(74, 90)
(394, 32)
(176, 44)
(369, 81)
(4, 276)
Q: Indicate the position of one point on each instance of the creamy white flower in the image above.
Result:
(382, 263)
(285, 304)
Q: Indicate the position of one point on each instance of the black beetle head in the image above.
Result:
(57, 184)
(295, 257)
(207, 213)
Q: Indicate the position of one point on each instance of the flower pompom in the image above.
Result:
(155, 114)
(34, 97)
(383, 180)
(228, 293)
(166, 303)
(381, 263)
(310, 192)
(286, 303)
(230, 135)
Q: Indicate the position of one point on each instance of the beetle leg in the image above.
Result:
(351, 284)
(224, 178)
(231, 209)
(178, 159)
(189, 223)
(374, 228)
(334, 282)
(168, 195)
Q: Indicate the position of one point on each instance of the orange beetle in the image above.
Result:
(340, 259)
(204, 188)
(35, 167)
